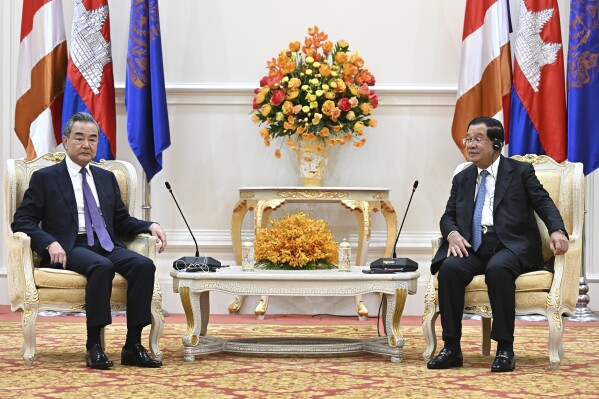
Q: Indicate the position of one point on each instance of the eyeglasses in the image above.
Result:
(476, 140)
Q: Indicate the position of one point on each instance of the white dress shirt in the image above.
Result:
(76, 179)
(487, 218)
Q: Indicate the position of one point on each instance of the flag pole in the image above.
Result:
(146, 206)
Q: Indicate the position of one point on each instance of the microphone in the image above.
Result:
(396, 264)
(190, 263)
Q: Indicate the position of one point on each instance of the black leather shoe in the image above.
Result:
(95, 358)
(138, 356)
(504, 361)
(445, 359)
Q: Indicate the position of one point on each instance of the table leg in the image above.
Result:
(395, 306)
(236, 304)
(261, 217)
(239, 213)
(391, 220)
(262, 307)
(363, 218)
(197, 312)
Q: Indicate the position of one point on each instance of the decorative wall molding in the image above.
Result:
(180, 240)
(241, 94)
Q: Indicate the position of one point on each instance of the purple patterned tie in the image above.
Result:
(93, 219)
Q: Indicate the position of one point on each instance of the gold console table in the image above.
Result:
(363, 201)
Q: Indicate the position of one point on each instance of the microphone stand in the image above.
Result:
(193, 264)
(395, 264)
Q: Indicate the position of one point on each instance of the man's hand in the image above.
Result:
(559, 243)
(458, 246)
(57, 254)
(160, 235)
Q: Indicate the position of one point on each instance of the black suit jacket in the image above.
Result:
(518, 194)
(50, 199)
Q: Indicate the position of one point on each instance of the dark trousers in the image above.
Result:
(100, 267)
(500, 267)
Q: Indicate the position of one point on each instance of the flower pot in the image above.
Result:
(312, 159)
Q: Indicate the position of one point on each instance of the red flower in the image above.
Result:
(364, 90)
(344, 104)
(264, 81)
(255, 104)
(373, 99)
(277, 97)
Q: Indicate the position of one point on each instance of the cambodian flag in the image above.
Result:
(90, 82)
(145, 96)
(583, 84)
(538, 106)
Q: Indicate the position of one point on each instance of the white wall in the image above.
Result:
(214, 55)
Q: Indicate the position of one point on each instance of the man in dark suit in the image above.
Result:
(489, 228)
(82, 214)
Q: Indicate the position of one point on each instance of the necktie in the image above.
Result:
(478, 211)
(93, 219)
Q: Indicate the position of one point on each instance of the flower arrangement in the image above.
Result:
(318, 90)
(295, 242)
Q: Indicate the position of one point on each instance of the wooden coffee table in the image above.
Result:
(194, 290)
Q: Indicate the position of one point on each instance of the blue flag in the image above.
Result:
(583, 84)
(145, 95)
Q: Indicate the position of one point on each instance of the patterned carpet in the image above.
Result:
(59, 370)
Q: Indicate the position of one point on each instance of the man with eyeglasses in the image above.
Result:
(489, 228)
(81, 214)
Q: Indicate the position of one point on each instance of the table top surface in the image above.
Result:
(299, 188)
(236, 273)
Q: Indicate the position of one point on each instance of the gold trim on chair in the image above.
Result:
(555, 298)
(67, 294)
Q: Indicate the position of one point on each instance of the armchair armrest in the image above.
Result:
(567, 269)
(144, 244)
(436, 243)
(21, 285)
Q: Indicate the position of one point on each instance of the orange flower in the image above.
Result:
(294, 83)
(363, 76)
(366, 108)
(357, 61)
(325, 70)
(315, 88)
(349, 69)
(328, 107)
(277, 153)
(340, 57)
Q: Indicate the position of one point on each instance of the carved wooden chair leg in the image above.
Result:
(486, 331)
(430, 336)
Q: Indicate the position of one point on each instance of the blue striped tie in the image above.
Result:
(478, 211)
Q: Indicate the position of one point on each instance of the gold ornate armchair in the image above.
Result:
(32, 289)
(552, 295)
